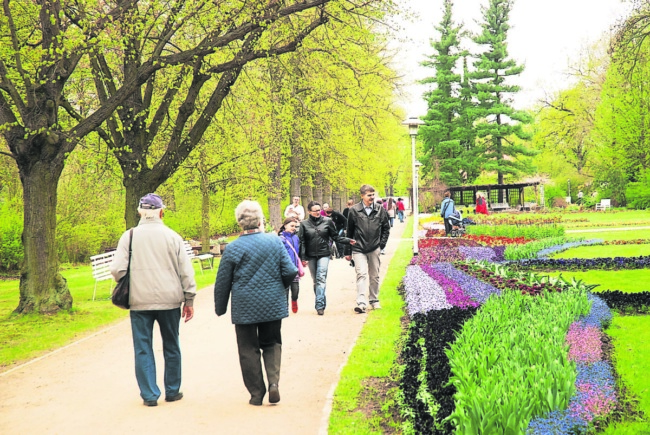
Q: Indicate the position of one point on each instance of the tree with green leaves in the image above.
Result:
(501, 127)
(148, 61)
(444, 154)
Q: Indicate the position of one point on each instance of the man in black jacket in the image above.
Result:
(367, 224)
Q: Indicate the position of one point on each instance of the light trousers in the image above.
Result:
(366, 265)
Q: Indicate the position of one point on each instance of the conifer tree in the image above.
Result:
(501, 126)
(443, 151)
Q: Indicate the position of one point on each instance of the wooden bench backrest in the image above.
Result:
(101, 266)
(606, 202)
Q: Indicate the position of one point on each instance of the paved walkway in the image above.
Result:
(90, 387)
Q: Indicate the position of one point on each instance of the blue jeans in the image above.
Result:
(318, 269)
(145, 363)
(400, 215)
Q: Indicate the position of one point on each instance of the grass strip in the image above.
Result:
(373, 356)
(631, 336)
(23, 337)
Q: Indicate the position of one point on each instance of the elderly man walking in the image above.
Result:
(367, 224)
(162, 280)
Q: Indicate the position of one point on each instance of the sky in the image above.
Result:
(545, 36)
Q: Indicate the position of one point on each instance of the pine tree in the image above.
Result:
(442, 146)
(501, 128)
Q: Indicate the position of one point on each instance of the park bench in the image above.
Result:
(603, 205)
(499, 206)
(529, 206)
(205, 260)
(101, 269)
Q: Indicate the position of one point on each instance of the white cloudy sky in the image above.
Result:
(545, 36)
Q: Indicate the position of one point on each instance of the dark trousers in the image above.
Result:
(255, 340)
(447, 226)
(295, 289)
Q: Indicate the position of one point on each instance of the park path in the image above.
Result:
(89, 387)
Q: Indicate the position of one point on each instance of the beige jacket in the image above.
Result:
(162, 276)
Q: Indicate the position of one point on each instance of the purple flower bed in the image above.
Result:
(478, 254)
(499, 253)
(455, 295)
(437, 254)
(423, 294)
(472, 287)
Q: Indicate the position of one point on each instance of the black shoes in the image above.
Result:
(255, 402)
(274, 393)
(150, 403)
(360, 309)
(320, 312)
(174, 398)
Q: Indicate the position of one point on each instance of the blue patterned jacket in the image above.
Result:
(257, 270)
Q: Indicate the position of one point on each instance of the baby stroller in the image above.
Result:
(457, 225)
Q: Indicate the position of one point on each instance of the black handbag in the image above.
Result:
(120, 296)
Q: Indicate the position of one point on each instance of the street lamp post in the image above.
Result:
(413, 124)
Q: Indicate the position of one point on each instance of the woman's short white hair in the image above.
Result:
(249, 215)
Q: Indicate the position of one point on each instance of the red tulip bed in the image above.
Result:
(495, 350)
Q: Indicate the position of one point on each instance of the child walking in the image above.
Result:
(292, 244)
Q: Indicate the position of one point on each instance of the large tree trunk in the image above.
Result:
(306, 195)
(275, 193)
(42, 288)
(295, 165)
(327, 193)
(318, 187)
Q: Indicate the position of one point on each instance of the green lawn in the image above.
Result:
(632, 349)
(628, 216)
(608, 234)
(605, 251)
(629, 281)
(28, 336)
(373, 357)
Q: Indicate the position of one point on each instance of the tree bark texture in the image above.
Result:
(318, 187)
(306, 195)
(42, 288)
(205, 214)
(327, 193)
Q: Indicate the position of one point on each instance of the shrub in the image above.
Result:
(638, 194)
(11, 229)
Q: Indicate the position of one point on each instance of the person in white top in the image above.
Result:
(295, 209)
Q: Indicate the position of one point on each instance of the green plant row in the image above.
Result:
(527, 231)
(509, 363)
(530, 249)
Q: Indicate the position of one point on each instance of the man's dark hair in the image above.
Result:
(313, 203)
(447, 194)
(366, 188)
(399, 199)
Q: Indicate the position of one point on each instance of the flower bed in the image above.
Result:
(445, 243)
(514, 231)
(583, 264)
(497, 240)
(627, 302)
(533, 248)
(626, 242)
(509, 362)
(595, 395)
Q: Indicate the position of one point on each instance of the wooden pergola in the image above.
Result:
(512, 194)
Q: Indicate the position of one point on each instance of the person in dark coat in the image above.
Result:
(316, 234)
(368, 225)
(341, 223)
(347, 209)
(256, 270)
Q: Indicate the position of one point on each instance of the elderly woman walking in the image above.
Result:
(257, 270)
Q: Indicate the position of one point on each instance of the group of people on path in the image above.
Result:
(256, 274)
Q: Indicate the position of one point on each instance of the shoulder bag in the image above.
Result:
(120, 296)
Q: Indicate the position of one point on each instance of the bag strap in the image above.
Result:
(445, 209)
(128, 268)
